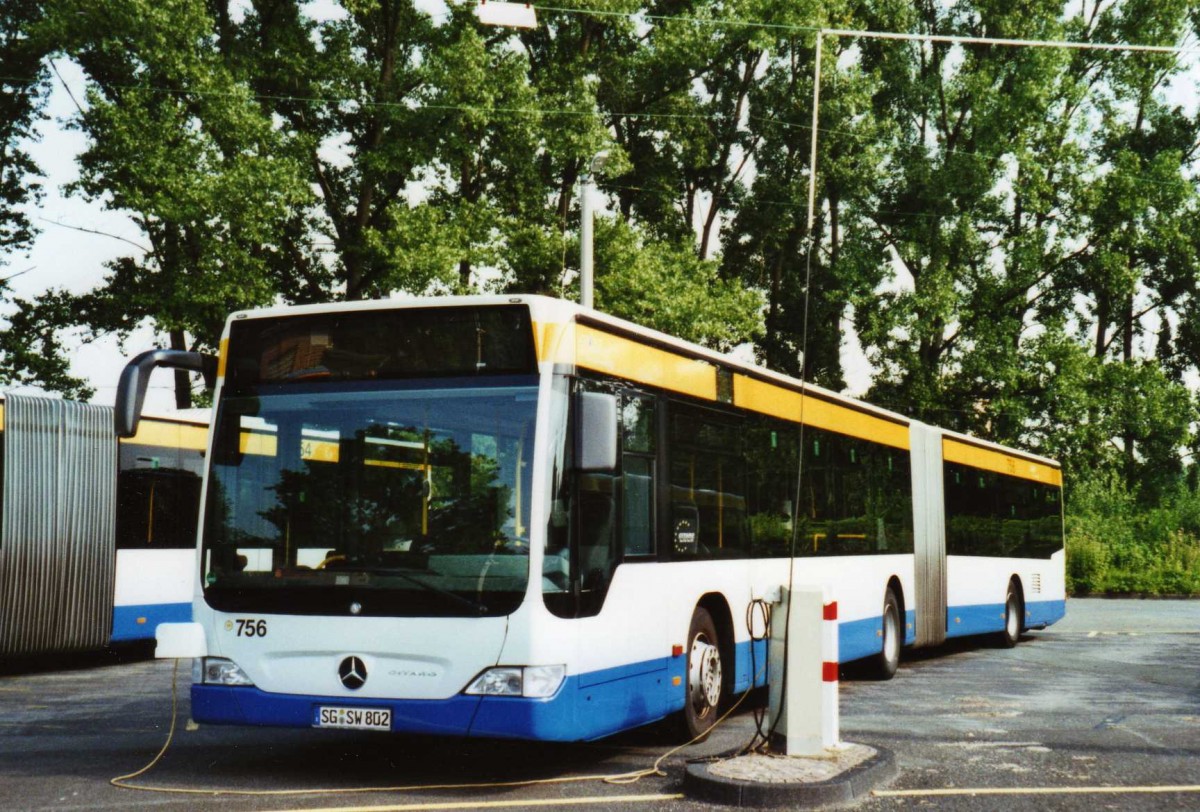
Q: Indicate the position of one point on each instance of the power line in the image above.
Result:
(847, 32)
(717, 21)
(1013, 43)
(950, 39)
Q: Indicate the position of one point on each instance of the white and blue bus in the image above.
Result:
(97, 537)
(515, 517)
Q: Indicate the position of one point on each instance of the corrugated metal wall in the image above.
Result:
(57, 538)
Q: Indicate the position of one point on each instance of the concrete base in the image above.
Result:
(795, 782)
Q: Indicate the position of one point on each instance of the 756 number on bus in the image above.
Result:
(249, 627)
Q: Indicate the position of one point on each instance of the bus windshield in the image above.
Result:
(382, 498)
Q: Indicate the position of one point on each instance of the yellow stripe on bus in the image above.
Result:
(547, 340)
(615, 355)
(991, 460)
(319, 450)
(222, 357)
(170, 435)
(262, 445)
(407, 466)
(766, 398)
(266, 445)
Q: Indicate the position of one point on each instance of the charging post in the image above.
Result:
(803, 663)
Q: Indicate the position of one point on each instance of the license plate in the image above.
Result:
(353, 718)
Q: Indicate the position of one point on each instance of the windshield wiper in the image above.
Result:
(396, 572)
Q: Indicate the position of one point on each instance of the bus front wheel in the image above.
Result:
(888, 659)
(704, 676)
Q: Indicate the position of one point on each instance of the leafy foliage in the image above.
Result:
(23, 87)
(667, 287)
(1114, 545)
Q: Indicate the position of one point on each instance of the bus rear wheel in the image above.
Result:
(1014, 610)
(886, 662)
(705, 677)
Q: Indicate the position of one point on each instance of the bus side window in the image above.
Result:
(637, 474)
(593, 518)
(708, 484)
(769, 453)
(157, 508)
(597, 539)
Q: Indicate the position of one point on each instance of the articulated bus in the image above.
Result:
(97, 537)
(515, 517)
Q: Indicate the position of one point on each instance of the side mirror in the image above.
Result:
(131, 391)
(596, 432)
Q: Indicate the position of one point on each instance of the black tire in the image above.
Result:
(704, 677)
(885, 663)
(1014, 614)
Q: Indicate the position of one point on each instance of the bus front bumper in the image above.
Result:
(575, 713)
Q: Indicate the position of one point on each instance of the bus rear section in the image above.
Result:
(159, 474)
(98, 543)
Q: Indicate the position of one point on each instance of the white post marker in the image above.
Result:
(804, 673)
(513, 15)
(586, 229)
(587, 188)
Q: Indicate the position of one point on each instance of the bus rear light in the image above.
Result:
(219, 671)
(534, 682)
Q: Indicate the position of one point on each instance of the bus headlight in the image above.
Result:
(544, 680)
(219, 671)
(534, 681)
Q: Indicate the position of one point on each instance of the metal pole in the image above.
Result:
(585, 239)
(812, 159)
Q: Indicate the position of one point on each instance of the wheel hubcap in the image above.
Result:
(704, 676)
(1011, 619)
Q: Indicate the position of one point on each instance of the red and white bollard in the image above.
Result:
(804, 673)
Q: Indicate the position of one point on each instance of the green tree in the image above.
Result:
(349, 91)
(769, 245)
(178, 143)
(30, 348)
(666, 286)
(23, 90)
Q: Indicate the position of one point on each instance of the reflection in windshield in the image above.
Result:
(399, 500)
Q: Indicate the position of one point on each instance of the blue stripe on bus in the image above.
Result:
(575, 713)
(981, 618)
(622, 672)
(860, 638)
(139, 622)
(989, 617)
(744, 665)
(212, 704)
(1039, 614)
(588, 706)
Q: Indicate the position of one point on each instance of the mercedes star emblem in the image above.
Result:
(353, 673)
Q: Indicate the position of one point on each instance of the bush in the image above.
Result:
(1116, 546)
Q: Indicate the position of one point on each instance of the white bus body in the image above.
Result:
(299, 631)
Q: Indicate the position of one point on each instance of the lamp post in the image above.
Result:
(587, 184)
